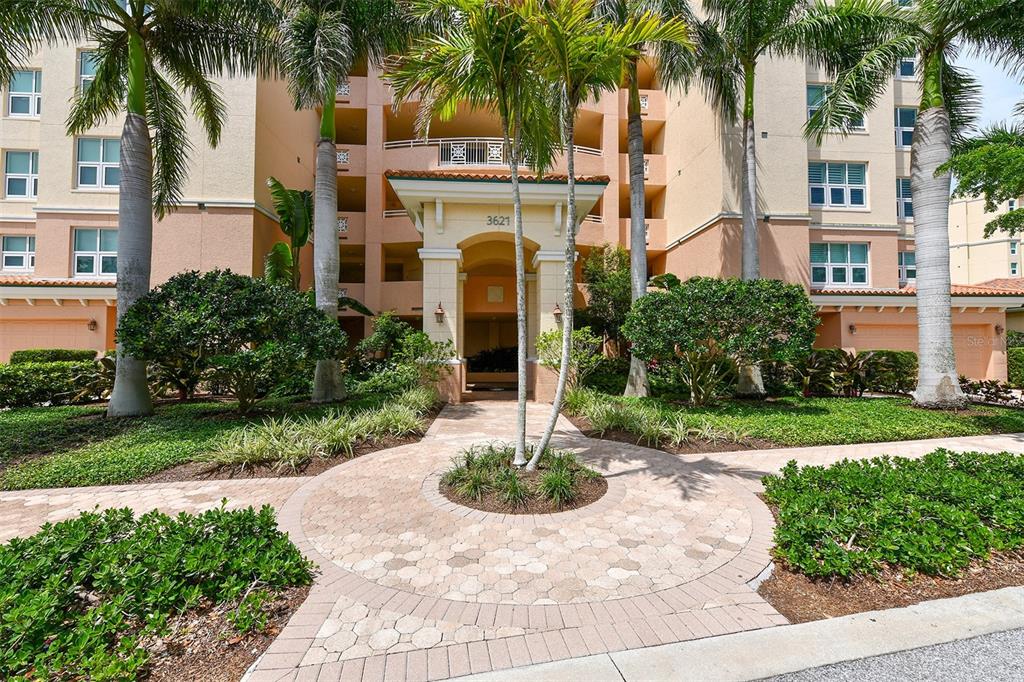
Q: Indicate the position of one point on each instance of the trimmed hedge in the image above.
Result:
(898, 373)
(34, 383)
(19, 357)
(1015, 360)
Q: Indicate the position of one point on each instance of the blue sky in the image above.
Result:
(1000, 92)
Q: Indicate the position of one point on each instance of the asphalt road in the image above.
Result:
(993, 657)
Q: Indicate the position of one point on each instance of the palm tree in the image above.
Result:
(673, 63)
(480, 58)
(583, 56)
(294, 209)
(147, 54)
(320, 42)
(864, 62)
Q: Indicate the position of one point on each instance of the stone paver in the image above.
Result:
(22, 512)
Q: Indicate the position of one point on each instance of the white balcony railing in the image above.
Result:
(644, 101)
(344, 157)
(469, 151)
(394, 212)
(647, 167)
(342, 224)
(592, 218)
(344, 89)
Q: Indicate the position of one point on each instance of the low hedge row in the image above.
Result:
(34, 383)
(52, 355)
(1015, 360)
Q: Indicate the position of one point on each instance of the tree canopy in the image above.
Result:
(992, 166)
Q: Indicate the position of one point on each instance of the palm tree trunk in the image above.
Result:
(517, 222)
(750, 383)
(130, 395)
(328, 383)
(636, 381)
(570, 289)
(937, 383)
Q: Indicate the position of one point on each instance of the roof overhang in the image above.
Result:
(899, 301)
(415, 192)
(58, 293)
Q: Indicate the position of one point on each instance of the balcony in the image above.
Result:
(652, 104)
(352, 227)
(461, 152)
(656, 232)
(351, 92)
(654, 168)
(351, 159)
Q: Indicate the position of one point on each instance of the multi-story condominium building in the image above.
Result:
(424, 223)
(974, 258)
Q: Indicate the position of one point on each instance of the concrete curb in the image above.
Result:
(774, 651)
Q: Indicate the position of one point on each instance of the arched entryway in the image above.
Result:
(488, 325)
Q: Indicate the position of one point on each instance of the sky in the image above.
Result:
(1000, 92)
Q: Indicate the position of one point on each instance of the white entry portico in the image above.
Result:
(468, 256)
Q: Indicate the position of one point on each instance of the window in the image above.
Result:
(1014, 245)
(95, 253)
(1013, 269)
(908, 266)
(87, 63)
(816, 94)
(1011, 205)
(21, 175)
(905, 120)
(842, 265)
(23, 96)
(98, 162)
(19, 252)
(837, 184)
(904, 200)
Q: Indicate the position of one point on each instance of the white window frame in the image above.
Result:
(31, 179)
(828, 186)
(35, 97)
(904, 267)
(101, 165)
(1013, 269)
(1011, 205)
(900, 130)
(904, 198)
(899, 69)
(97, 255)
(846, 266)
(811, 108)
(1014, 247)
(84, 80)
(29, 255)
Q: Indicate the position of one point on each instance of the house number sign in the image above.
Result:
(501, 220)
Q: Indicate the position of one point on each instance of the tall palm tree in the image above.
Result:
(732, 41)
(583, 57)
(864, 63)
(320, 42)
(480, 57)
(147, 54)
(673, 63)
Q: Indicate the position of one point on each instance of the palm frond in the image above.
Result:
(25, 25)
(165, 113)
(991, 165)
(277, 264)
(104, 98)
(208, 106)
(962, 93)
(294, 210)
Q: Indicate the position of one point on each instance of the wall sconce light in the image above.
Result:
(852, 328)
(999, 330)
(557, 312)
(439, 313)
(93, 325)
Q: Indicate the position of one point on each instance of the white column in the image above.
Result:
(550, 267)
(441, 286)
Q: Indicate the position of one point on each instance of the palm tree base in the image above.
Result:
(130, 397)
(944, 394)
(328, 382)
(750, 383)
(637, 385)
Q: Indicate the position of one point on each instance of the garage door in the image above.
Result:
(971, 343)
(21, 334)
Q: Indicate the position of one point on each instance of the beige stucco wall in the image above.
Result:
(973, 257)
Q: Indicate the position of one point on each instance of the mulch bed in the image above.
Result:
(205, 646)
(801, 599)
(691, 447)
(588, 491)
(206, 471)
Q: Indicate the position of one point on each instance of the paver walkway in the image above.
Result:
(415, 587)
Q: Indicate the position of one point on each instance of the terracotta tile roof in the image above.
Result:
(1015, 284)
(490, 177)
(28, 281)
(955, 290)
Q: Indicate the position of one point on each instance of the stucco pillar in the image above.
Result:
(441, 287)
(550, 288)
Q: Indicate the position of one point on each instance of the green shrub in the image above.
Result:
(894, 372)
(557, 486)
(706, 372)
(386, 379)
(935, 515)
(254, 336)
(1014, 339)
(78, 596)
(38, 383)
(1015, 362)
(52, 355)
(584, 353)
(609, 376)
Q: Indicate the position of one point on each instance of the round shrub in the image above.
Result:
(35, 383)
(247, 334)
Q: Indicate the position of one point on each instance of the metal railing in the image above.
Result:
(469, 151)
(394, 212)
(644, 101)
(344, 89)
(342, 224)
(344, 157)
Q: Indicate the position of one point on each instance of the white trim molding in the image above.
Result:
(57, 292)
(440, 254)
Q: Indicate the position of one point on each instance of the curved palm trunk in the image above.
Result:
(750, 382)
(937, 381)
(636, 381)
(130, 395)
(570, 288)
(517, 222)
(328, 383)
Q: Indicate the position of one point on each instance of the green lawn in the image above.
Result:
(807, 421)
(49, 447)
